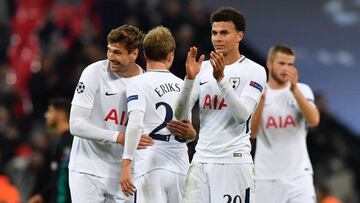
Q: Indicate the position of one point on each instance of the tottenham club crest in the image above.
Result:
(292, 102)
(234, 82)
(80, 87)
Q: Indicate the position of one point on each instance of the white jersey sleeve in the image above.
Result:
(186, 100)
(86, 89)
(81, 127)
(241, 107)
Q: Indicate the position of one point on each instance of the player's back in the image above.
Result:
(155, 93)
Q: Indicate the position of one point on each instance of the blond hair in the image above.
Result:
(158, 43)
(282, 48)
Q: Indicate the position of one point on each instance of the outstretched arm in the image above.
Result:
(80, 126)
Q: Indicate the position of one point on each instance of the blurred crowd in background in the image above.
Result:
(45, 45)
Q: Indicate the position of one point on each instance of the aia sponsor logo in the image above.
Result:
(214, 102)
(280, 122)
(117, 117)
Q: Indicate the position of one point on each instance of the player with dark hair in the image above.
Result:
(56, 188)
(98, 120)
(228, 87)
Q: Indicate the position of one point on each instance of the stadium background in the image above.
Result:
(45, 44)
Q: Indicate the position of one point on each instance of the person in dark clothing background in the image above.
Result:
(57, 188)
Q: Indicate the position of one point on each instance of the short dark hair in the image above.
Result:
(229, 14)
(61, 104)
(129, 36)
(158, 43)
(282, 48)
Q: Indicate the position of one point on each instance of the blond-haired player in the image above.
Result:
(159, 170)
(282, 165)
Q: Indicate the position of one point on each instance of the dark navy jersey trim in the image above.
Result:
(242, 58)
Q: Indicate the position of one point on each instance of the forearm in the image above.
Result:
(80, 126)
(133, 134)
(256, 118)
(183, 105)
(308, 110)
(241, 107)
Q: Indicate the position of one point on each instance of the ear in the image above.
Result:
(240, 36)
(170, 56)
(269, 64)
(135, 53)
(146, 58)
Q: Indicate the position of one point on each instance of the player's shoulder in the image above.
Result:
(303, 86)
(96, 68)
(253, 65)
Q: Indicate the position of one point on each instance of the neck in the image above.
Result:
(232, 58)
(131, 72)
(156, 65)
(62, 127)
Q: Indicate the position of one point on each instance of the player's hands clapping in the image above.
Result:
(292, 75)
(183, 129)
(217, 62)
(127, 186)
(193, 66)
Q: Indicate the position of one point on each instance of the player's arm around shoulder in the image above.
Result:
(305, 99)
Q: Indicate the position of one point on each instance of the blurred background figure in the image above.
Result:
(8, 193)
(56, 189)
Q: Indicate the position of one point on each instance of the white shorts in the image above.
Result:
(296, 190)
(159, 186)
(213, 183)
(89, 188)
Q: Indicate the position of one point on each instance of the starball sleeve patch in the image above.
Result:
(80, 87)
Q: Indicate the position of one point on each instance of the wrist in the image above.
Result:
(126, 163)
(190, 77)
(293, 87)
(120, 138)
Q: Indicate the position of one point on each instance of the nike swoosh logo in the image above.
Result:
(203, 83)
(109, 94)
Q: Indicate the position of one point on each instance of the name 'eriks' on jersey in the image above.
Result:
(155, 93)
(167, 87)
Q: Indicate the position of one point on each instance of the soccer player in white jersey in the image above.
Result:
(228, 87)
(160, 170)
(282, 165)
(98, 120)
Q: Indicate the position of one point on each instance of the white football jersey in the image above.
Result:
(104, 92)
(281, 150)
(155, 94)
(221, 138)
